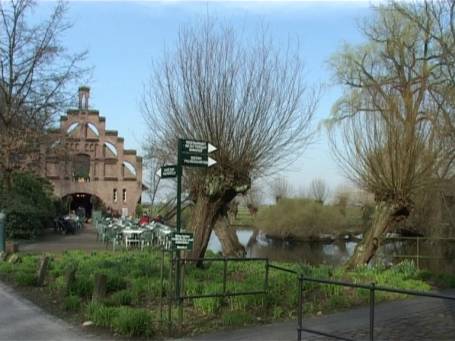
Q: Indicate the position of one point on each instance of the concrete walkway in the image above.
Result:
(55, 242)
(22, 320)
(414, 319)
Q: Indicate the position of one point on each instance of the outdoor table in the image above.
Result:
(131, 235)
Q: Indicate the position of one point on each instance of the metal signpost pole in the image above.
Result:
(190, 153)
(178, 218)
(2, 231)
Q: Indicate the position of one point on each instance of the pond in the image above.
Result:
(435, 255)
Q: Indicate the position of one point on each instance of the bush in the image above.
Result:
(29, 206)
(132, 322)
(305, 218)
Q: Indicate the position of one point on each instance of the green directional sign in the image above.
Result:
(190, 160)
(182, 241)
(168, 172)
(197, 147)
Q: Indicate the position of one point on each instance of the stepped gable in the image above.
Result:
(89, 159)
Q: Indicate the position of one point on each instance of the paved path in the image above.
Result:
(54, 242)
(22, 320)
(414, 319)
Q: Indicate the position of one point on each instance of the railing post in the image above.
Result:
(266, 284)
(180, 300)
(224, 276)
(161, 285)
(170, 294)
(418, 254)
(372, 293)
(2, 231)
(300, 309)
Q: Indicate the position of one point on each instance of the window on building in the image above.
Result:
(115, 195)
(124, 195)
(81, 167)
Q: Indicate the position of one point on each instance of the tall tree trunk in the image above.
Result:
(207, 212)
(228, 238)
(385, 216)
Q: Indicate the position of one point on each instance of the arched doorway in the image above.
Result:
(82, 203)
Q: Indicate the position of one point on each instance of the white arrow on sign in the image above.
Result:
(211, 148)
(210, 161)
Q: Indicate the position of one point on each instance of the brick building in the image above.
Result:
(89, 164)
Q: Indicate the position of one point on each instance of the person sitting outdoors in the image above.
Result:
(145, 219)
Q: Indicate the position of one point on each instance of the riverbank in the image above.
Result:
(132, 304)
(305, 219)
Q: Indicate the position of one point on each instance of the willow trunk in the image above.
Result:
(385, 216)
(208, 213)
(228, 238)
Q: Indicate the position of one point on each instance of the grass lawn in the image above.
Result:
(132, 305)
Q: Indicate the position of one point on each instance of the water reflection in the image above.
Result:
(437, 256)
(313, 253)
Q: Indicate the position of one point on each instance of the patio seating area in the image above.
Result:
(69, 224)
(127, 233)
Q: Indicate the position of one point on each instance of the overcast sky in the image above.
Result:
(123, 38)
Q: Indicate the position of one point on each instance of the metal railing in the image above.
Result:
(180, 296)
(372, 290)
(225, 261)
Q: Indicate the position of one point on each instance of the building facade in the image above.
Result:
(88, 164)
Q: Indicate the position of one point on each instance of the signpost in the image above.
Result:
(182, 241)
(166, 172)
(190, 153)
(197, 160)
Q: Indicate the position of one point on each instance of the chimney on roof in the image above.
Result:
(84, 94)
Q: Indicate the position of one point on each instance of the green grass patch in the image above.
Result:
(237, 318)
(100, 314)
(132, 322)
(25, 278)
(133, 283)
(72, 303)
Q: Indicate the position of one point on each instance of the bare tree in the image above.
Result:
(385, 129)
(35, 73)
(319, 190)
(247, 98)
(280, 188)
(154, 160)
(253, 198)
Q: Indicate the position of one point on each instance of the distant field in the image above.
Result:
(244, 217)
